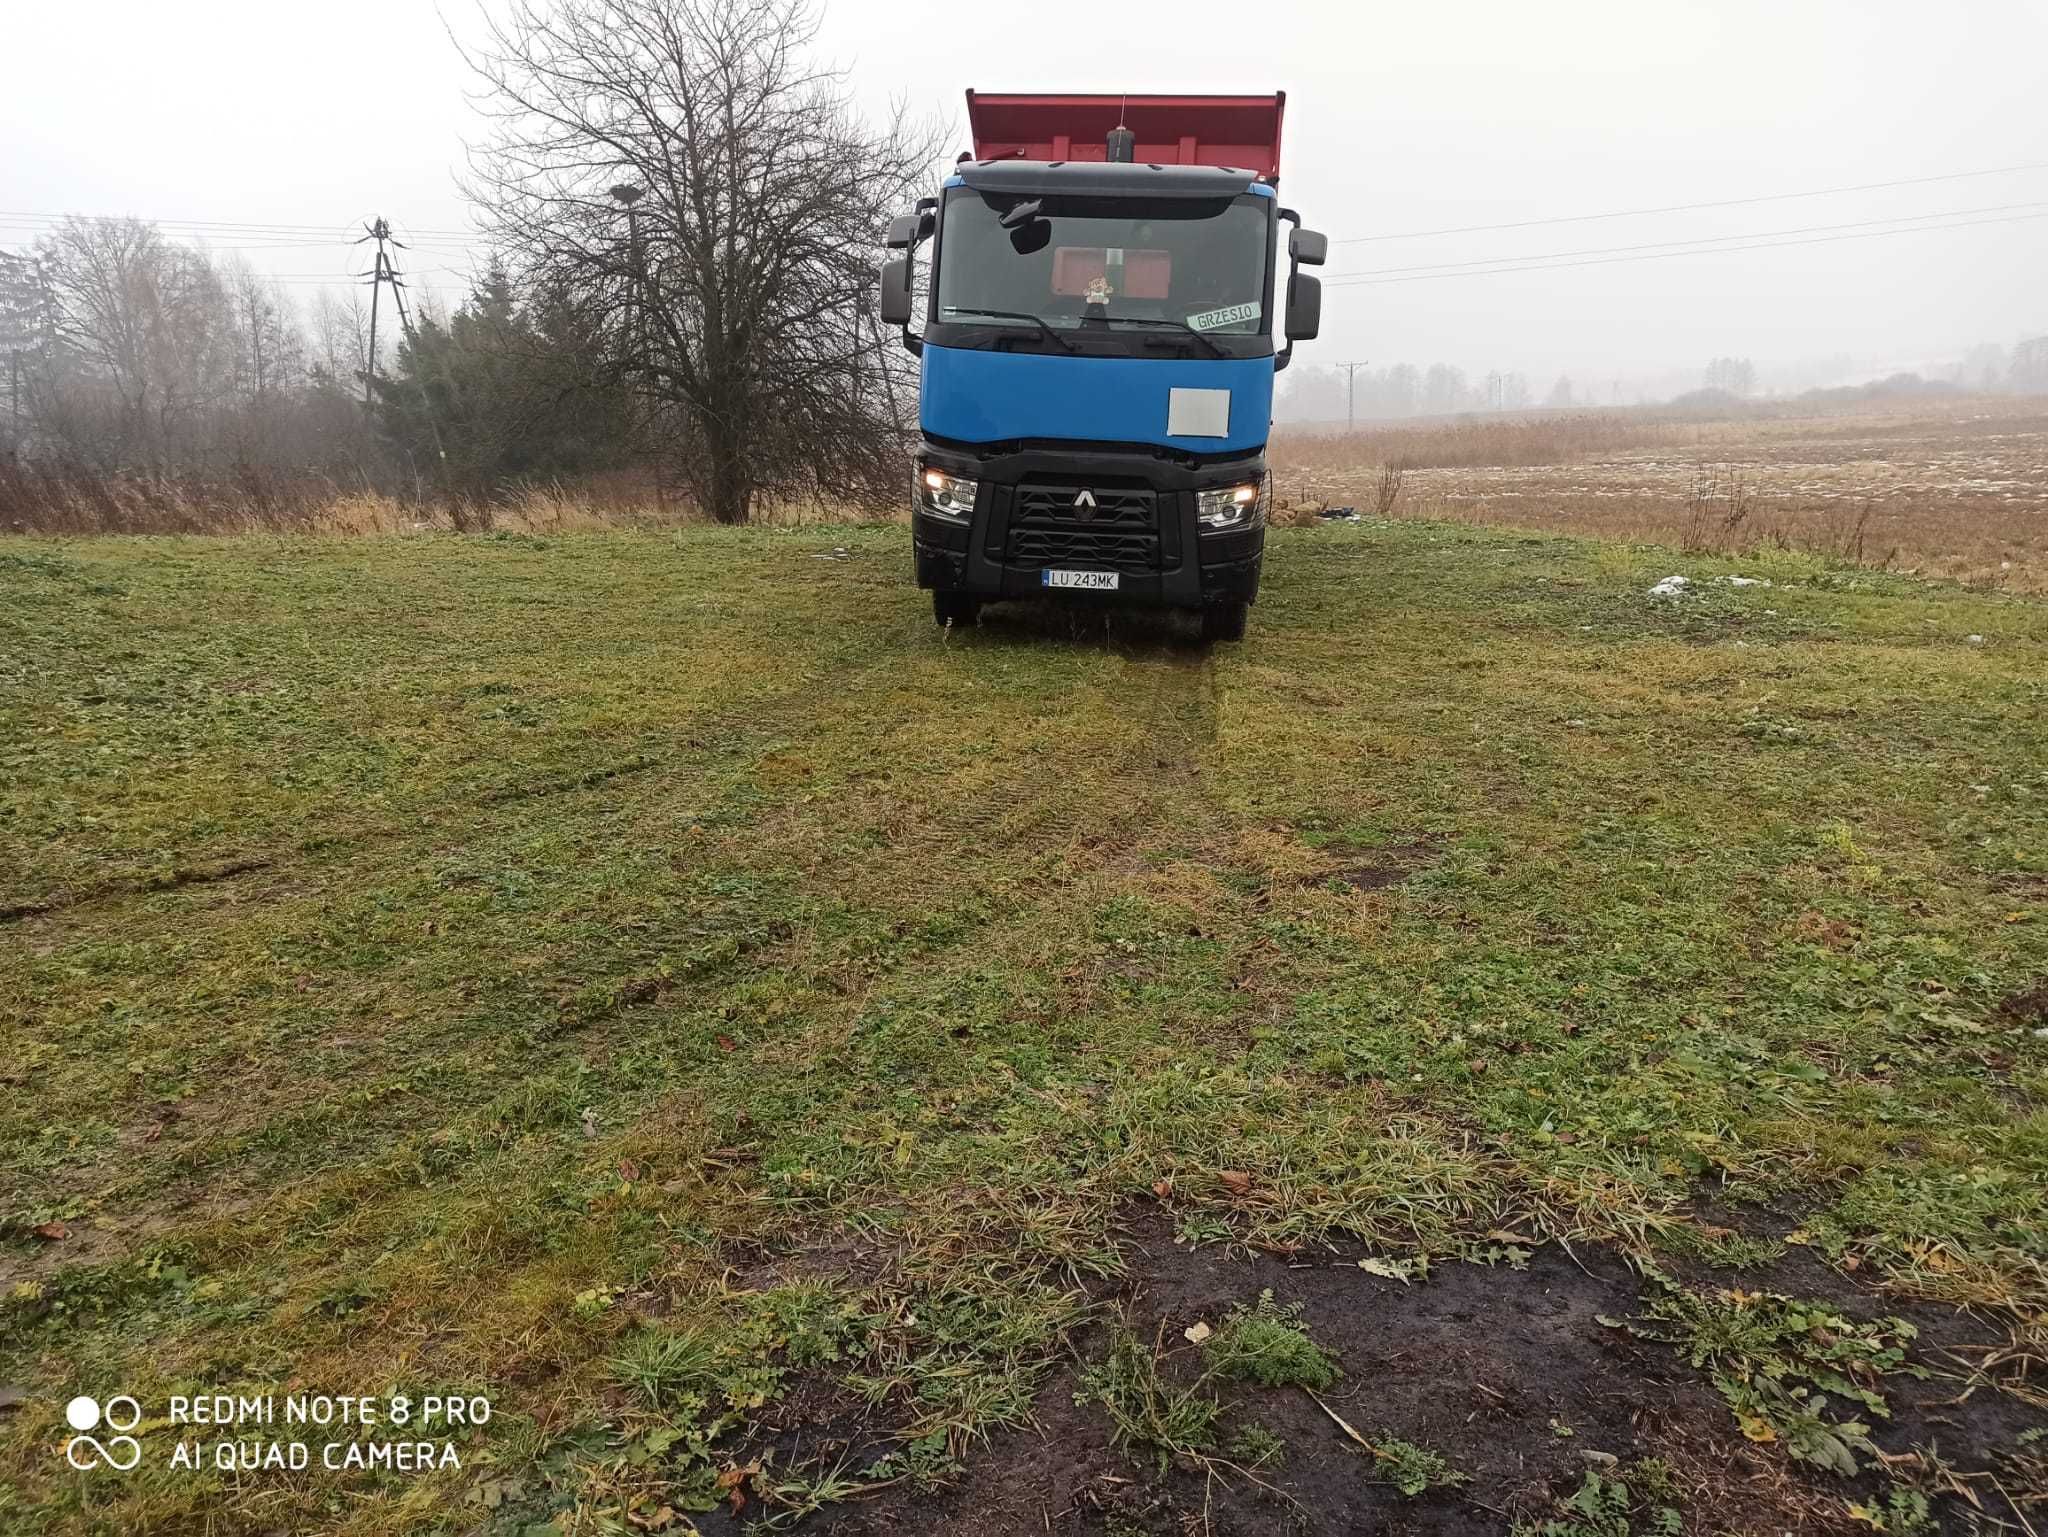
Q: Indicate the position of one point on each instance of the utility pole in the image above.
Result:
(383, 271)
(380, 273)
(1350, 393)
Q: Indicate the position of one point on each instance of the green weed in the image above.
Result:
(667, 1368)
(927, 1462)
(1148, 1413)
(1267, 1345)
(1255, 1447)
(1609, 1507)
(1775, 1360)
(1901, 1513)
(1410, 1468)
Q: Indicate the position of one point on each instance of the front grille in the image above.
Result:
(1115, 507)
(1057, 526)
(1097, 549)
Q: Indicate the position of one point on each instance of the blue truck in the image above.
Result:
(1106, 282)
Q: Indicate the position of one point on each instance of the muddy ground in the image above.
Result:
(1510, 1375)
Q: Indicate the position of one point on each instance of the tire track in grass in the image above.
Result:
(761, 715)
(734, 733)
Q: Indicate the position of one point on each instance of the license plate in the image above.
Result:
(1087, 581)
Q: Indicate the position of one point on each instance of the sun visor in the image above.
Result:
(1023, 177)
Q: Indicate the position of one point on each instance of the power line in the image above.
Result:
(1771, 245)
(285, 233)
(1731, 202)
(450, 247)
(258, 226)
(280, 236)
(1701, 241)
(281, 228)
(341, 277)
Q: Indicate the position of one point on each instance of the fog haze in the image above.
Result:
(1399, 120)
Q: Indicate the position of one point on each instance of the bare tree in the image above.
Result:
(269, 346)
(1735, 375)
(23, 333)
(713, 204)
(341, 329)
(1386, 491)
(145, 331)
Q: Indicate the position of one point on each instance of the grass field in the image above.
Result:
(805, 1067)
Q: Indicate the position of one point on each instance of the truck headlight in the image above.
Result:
(1230, 506)
(949, 496)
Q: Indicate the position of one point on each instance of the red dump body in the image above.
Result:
(1238, 131)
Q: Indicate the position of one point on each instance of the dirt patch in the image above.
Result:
(585, 781)
(109, 1239)
(1510, 1376)
(1376, 869)
(753, 1264)
(2029, 1005)
(195, 875)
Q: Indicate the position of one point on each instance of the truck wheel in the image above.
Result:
(961, 608)
(1225, 621)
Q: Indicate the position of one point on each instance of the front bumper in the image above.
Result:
(1144, 526)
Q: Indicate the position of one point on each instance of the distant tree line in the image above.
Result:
(132, 354)
(1322, 394)
(128, 351)
(685, 215)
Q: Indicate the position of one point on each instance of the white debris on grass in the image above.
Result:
(1975, 640)
(1744, 581)
(1670, 587)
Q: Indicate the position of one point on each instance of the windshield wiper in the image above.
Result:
(1029, 320)
(1178, 325)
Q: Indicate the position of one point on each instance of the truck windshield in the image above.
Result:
(1072, 261)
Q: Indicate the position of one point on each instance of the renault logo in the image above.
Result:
(1084, 504)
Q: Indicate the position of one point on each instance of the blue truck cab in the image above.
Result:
(1098, 352)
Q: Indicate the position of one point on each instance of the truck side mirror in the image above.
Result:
(1304, 307)
(895, 308)
(908, 230)
(1309, 248)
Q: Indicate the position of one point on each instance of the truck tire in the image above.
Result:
(1224, 621)
(961, 608)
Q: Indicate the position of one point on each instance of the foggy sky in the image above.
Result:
(1400, 118)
